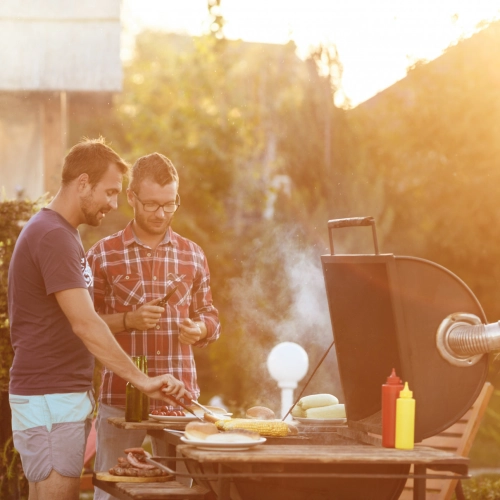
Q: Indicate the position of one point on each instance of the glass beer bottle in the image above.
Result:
(133, 398)
(145, 398)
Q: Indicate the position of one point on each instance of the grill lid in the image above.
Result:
(385, 311)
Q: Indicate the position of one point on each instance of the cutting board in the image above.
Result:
(104, 476)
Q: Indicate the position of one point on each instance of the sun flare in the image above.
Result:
(376, 41)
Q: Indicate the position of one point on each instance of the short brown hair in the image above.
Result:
(154, 166)
(92, 157)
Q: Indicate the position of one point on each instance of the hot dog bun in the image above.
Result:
(199, 431)
(260, 413)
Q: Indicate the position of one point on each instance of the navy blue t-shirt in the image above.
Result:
(48, 357)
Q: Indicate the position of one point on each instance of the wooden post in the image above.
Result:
(54, 139)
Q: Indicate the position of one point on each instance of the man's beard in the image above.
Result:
(147, 227)
(89, 211)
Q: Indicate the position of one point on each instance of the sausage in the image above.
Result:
(137, 451)
(119, 471)
(135, 461)
(123, 462)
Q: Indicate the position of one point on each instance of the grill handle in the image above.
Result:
(352, 222)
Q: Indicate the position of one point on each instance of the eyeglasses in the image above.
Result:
(168, 208)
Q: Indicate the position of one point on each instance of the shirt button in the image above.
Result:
(158, 352)
(157, 327)
(154, 278)
(149, 254)
(127, 277)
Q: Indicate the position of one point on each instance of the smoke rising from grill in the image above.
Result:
(281, 297)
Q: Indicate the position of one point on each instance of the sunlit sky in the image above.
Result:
(376, 39)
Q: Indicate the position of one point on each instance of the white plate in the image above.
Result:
(176, 419)
(321, 421)
(203, 445)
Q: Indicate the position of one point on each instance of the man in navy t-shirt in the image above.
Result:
(55, 331)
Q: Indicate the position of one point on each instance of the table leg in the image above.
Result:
(165, 445)
(419, 483)
(224, 484)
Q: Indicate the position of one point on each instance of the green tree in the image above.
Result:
(246, 126)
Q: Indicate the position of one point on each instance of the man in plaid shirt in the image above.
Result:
(133, 270)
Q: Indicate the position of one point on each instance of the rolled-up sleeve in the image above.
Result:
(202, 308)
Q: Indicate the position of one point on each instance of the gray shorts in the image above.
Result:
(50, 433)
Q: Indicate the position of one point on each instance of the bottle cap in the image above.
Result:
(393, 379)
(406, 393)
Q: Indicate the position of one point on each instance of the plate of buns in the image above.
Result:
(206, 436)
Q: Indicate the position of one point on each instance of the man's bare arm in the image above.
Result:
(98, 339)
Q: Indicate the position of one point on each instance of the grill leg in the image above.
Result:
(459, 492)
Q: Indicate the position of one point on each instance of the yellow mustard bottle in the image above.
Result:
(405, 419)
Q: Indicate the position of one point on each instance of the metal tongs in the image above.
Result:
(208, 410)
(204, 408)
(176, 401)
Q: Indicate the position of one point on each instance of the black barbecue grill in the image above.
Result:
(390, 311)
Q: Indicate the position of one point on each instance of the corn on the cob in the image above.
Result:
(317, 400)
(297, 411)
(275, 428)
(331, 411)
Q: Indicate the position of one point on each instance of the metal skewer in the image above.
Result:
(307, 383)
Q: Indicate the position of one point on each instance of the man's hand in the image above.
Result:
(162, 386)
(146, 317)
(191, 332)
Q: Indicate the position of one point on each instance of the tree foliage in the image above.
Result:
(433, 140)
(249, 128)
(430, 144)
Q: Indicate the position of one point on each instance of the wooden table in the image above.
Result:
(303, 457)
(315, 463)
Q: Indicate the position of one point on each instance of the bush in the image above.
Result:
(13, 216)
(482, 488)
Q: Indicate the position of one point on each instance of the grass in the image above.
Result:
(484, 487)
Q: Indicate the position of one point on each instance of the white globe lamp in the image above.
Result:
(287, 364)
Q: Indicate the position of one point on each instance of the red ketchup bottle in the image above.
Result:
(390, 393)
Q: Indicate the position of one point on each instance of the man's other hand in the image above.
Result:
(145, 317)
(191, 332)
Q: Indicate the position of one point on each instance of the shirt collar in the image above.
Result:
(129, 237)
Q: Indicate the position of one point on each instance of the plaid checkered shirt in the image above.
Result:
(127, 274)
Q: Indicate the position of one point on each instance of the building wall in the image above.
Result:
(48, 49)
(50, 45)
(21, 147)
